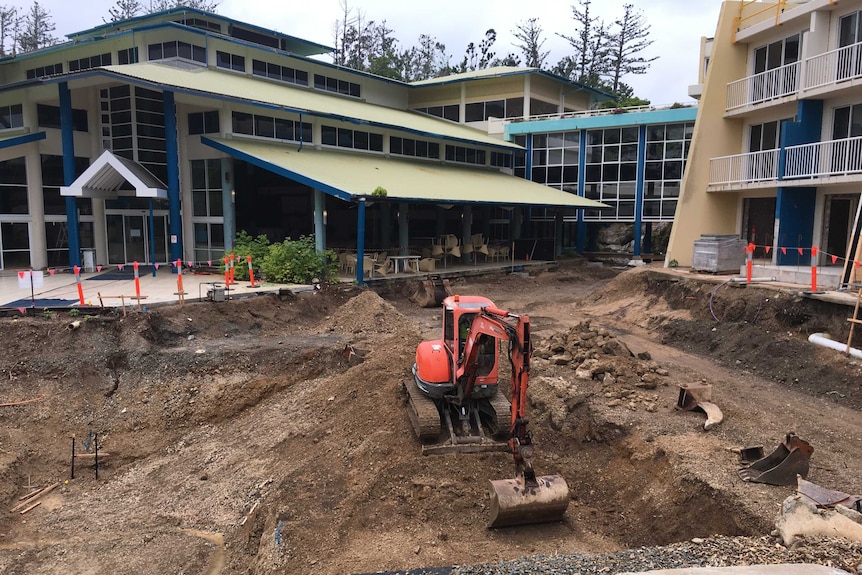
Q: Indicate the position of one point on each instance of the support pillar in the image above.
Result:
(639, 190)
(173, 174)
(440, 221)
(319, 220)
(403, 229)
(228, 203)
(68, 140)
(581, 227)
(38, 245)
(466, 233)
(385, 224)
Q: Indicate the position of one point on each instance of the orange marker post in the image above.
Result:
(232, 278)
(813, 268)
(180, 293)
(137, 283)
(226, 272)
(80, 287)
(250, 270)
(749, 262)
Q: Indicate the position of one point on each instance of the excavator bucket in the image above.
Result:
(431, 292)
(781, 467)
(514, 503)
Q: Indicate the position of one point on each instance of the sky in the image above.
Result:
(675, 27)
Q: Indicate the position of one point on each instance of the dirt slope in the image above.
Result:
(247, 437)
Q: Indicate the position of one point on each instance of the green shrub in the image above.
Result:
(379, 192)
(297, 261)
(244, 245)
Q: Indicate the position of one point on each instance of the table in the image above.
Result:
(407, 263)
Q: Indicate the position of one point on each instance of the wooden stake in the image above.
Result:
(38, 495)
(34, 506)
(21, 402)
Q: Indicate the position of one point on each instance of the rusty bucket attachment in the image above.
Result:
(781, 467)
(698, 397)
(431, 292)
(514, 503)
(828, 498)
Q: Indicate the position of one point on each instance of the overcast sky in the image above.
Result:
(676, 27)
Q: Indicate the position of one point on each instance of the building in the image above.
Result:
(158, 138)
(775, 157)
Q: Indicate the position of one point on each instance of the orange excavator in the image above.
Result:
(456, 387)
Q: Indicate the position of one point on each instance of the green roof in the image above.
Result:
(232, 86)
(351, 175)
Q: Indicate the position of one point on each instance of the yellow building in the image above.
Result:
(776, 155)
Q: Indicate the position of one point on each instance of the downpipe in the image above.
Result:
(822, 340)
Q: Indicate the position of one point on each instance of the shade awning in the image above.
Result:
(351, 176)
(17, 140)
(108, 173)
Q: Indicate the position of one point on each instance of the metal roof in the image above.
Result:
(108, 173)
(289, 98)
(351, 176)
(505, 71)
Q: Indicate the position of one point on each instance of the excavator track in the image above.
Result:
(499, 423)
(423, 413)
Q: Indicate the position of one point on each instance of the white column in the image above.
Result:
(38, 247)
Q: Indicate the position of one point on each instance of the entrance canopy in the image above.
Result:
(107, 175)
(351, 176)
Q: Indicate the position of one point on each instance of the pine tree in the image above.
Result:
(589, 63)
(529, 34)
(124, 9)
(9, 23)
(629, 38)
(36, 29)
(162, 5)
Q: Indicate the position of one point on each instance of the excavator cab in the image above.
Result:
(456, 388)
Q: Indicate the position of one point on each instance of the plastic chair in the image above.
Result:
(383, 265)
(368, 266)
(427, 265)
(477, 241)
(349, 265)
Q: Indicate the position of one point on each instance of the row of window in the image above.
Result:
(465, 155)
(11, 116)
(90, 62)
(42, 71)
(230, 61)
(414, 148)
(280, 73)
(269, 127)
(177, 49)
(204, 122)
(480, 111)
(345, 87)
(347, 138)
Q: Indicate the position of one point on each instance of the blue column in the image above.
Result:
(794, 212)
(639, 189)
(319, 222)
(68, 140)
(173, 169)
(581, 240)
(360, 242)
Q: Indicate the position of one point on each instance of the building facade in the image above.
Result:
(158, 138)
(775, 155)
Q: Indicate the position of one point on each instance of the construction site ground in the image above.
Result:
(270, 434)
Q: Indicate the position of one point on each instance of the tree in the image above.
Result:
(590, 40)
(36, 29)
(625, 98)
(124, 9)
(426, 60)
(625, 43)
(161, 5)
(529, 34)
(9, 25)
(481, 58)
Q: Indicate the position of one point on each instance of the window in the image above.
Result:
(269, 127)
(49, 117)
(448, 112)
(129, 56)
(667, 149)
(207, 209)
(501, 159)
(611, 172)
(11, 116)
(200, 23)
(347, 138)
(555, 159)
(337, 86)
(52, 178)
(415, 148)
(203, 122)
(43, 71)
(176, 49)
(464, 155)
(481, 111)
(13, 186)
(230, 61)
(280, 73)
(90, 62)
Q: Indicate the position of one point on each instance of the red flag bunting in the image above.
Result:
(768, 248)
(855, 263)
(157, 266)
(784, 251)
(209, 262)
(51, 272)
(834, 259)
(813, 250)
(799, 250)
(22, 310)
(98, 268)
(20, 275)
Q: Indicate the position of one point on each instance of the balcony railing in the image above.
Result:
(822, 159)
(744, 168)
(834, 66)
(776, 83)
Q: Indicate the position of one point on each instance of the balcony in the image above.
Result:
(763, 87)
(824, 159)
(819, 163)
(749, 168)
(834, 67)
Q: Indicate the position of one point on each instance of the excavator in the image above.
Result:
(456, 387)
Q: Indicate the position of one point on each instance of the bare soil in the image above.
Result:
(245, 437)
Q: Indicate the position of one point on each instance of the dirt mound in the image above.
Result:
(365, 313)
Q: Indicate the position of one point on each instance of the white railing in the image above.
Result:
(597, 112)
(832, 158)
(834, 66)
(744, 168)
(776, 83)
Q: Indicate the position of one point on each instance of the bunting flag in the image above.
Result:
(209, 263)
(157, 266)
(190, 264)
(855, 263)
(98, 268)
(51, 272)
(834, 259)
(799, 250)
(120, 267)
(768, 248)
(813, 251)
(22, 310)
(784, 251)
(20, 275)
